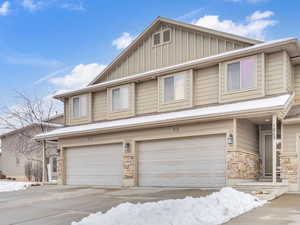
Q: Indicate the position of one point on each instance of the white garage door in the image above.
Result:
(183, 162)
(95, 165)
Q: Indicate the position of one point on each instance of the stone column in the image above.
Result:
(129, 164)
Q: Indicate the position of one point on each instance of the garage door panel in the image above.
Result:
(184, 181)
(183, 162)
(95, 165)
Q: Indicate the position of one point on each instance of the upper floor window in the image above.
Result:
(174, 87)
(162, 37)
(79, 106)
(120, 98)
(241, 75)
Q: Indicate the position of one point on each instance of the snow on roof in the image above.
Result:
(252, 105)
(177, 66)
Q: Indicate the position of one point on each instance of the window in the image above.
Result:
(162, 37)
(174, 88)
(167, 35)
(241, 75)
(156, 39)
(120, 98)
(80, 106)
(54, 164)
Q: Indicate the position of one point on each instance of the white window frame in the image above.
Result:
(111, 98)
(184, 87)
(162, 37)
(241, 89)
(80, 113)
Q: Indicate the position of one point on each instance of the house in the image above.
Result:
(186, 106)
(22, 156)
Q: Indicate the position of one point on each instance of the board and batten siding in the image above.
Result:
(247, 136)
(99, 105)
(206, 86)
(256, 92)
(146, 97)
(186, 44)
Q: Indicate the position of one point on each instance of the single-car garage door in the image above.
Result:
(94, 165)
(183, 162)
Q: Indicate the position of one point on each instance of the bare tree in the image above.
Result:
(28, 117)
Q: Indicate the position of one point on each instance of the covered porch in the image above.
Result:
(265, 155)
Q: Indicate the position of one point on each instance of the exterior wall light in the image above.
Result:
(127, 147)
(230, 139)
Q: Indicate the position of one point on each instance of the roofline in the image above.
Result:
(291, 121)
(29, 126)
(267, 110)
(187, 65)
(219, 116)
(55, 116)
(179, 23)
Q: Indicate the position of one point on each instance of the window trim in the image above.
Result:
(111, 99)
(161, 37)
(163, 88)
(72, 106)
(226, 91)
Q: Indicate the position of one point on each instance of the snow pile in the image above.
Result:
(216, 208)
(13, 186)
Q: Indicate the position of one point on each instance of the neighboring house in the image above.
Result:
(186, 106)
(19, 151)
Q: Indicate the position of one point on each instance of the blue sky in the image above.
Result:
(61, 44)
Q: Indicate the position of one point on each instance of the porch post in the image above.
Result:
(44, 160)
(274, 147)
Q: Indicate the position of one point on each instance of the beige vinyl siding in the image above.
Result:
(288, 72)
(187, 130)
(99, 105)
(206, 86)
(146, 97)
(247, 136)
(67, 111)
(187, 102)
(289, 138)
(275, 82)
(185, 45)
(297, 83)
(243, 94)
(82, 119)
(124, 113)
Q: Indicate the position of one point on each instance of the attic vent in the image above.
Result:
(162, 37)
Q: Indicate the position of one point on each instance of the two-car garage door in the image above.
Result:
(183, 162)
(179, 162)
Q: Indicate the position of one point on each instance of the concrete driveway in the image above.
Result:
(60, 205)
(282, 211)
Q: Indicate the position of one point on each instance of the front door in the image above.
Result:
(268, 159)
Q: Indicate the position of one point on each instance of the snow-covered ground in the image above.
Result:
(13, 186)
(213, 209)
